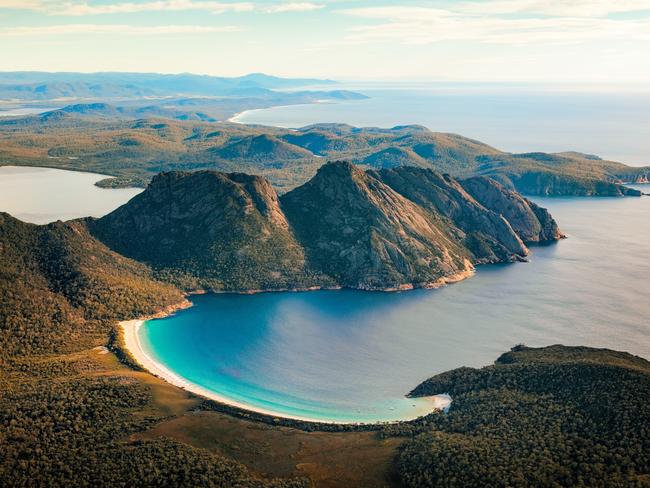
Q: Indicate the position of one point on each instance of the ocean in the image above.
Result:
(599, 120)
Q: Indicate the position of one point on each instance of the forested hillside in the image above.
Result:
(555, 416)
(134, 145)
(65, 418)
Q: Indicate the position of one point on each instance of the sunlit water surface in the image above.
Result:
(43, 195)
(519, 118)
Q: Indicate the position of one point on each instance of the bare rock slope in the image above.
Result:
(391, 229)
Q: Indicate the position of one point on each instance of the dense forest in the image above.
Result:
(64, 419)
(555, 416)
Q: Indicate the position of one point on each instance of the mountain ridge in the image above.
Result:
(346, 227)
(40, 85)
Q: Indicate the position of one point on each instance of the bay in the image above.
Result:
(353, 355)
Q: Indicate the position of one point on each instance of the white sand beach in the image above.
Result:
(130, 330)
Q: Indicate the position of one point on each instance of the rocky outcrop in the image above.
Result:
(391, 229)
(366, 235)
(487, 234)
(531, 222)
(227, 230)
(641, 178)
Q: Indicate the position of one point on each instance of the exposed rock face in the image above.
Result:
(225, 229)
(393, 229)
(488, 235)
(641, 178)
(365, 235)
(531, 222)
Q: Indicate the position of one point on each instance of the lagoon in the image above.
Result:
(43, 195)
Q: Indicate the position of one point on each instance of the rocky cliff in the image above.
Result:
(487, 234)
(366, 235)
(392, 229)
(218, 230)
(531, 222)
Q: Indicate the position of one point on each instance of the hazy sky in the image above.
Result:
(532, 40)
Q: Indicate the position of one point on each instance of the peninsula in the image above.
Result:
(134, 146)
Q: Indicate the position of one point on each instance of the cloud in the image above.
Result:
(294, 7)
(556, 8)
(75, 9)
(22, 4)
(422, 25)
(72, 29)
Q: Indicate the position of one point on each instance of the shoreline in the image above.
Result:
(234, 119)
(133, 346)
(41, 165)
(467, 273)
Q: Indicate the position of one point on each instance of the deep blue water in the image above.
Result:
(352, 355)
(612, 124)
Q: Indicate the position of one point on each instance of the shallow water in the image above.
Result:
(43, 195)
(351, 355)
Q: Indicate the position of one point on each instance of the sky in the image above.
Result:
(443, 40)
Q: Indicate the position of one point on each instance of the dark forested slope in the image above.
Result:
(554, 416)
(58, 281)
(65, 418)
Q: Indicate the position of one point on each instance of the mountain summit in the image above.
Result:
(394, 229)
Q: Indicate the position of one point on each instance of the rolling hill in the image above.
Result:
(134, 150)
(35, 85)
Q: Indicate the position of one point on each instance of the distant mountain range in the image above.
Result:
(36, 85)
(214, 109)
(133, 145)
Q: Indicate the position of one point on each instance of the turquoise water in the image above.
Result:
(613, 124)
(352, 356)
